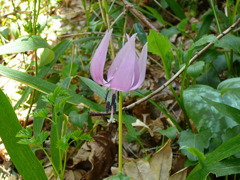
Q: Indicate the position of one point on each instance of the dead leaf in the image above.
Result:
(180, 175)
(102, 156)
(161, 162)
(158, 168)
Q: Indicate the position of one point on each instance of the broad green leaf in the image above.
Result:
(199, 141)
(45, 86)
(94, 87)
(209, 76)
(229, 84)
(196, 68)
(229, 42)
(225, 109)
(204, 40)
(170, 132)
(204, 115)
(24, 44)
(225, 168)
(230, 133)
(225, 150)
(158, 44)
(21, 155)
(170, 31)
(79, 120)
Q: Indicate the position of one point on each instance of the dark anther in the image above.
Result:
(108, 107)
(113, 98)
(114, 106)
(106, 97)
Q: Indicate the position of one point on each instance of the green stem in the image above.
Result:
(229, 61)
(120, 150)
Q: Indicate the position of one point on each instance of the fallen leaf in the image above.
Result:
(158, 168)
(180, 175)
(102, 156)
(161, 162)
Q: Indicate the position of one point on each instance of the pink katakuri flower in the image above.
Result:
(127, 71)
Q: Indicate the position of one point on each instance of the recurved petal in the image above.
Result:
(121, 56)
(122, 78)
(99, 59)
(142, 63)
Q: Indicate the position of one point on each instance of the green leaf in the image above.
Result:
(94, 87)
(170, 132)
(70, 70)
(204, 29)
(176, 8)
(25, 133)
(45, 86)
(199, 141)
(200, 156)
(86, 137)
(225, 109)
(5, 32)
(204, 40)
(225, 150)
(41, 137)
(225, 168)
(21, 155)
(229, 42)
(230, 133)
(196, 68)
(63, 143)
(203, 114)
(158, 44)
(141, 34)
(46, 56)
(24, 44)
(77, 119)
(229, 84)
(156, 14)
(119, 176)
(170, 31)
(41, 113)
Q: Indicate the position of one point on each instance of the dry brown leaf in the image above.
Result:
(161, 162)
(102, 156)
(158, 168)
(180, 175)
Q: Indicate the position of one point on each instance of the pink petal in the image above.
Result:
(120, 57)
(99, 59)
(123, 67)
(142, 62)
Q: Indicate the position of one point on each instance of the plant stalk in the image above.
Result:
(120, 134)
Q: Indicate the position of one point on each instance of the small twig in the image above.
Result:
(194, 58)
(138, 15)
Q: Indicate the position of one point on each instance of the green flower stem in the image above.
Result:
(120, 149)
